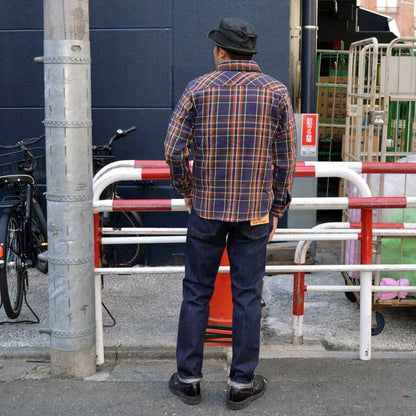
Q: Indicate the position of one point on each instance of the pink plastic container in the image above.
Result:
(387, 281)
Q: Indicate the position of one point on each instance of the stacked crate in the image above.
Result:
(381, 127)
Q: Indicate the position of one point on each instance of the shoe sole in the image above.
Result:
(186, 399)
(241, 405)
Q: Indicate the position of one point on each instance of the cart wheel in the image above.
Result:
(350, 296)
(380, 322)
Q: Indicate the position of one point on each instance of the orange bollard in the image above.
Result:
(219, 330)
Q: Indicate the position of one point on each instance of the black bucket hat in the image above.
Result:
(235, 35)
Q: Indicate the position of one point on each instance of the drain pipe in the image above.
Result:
(309, 40)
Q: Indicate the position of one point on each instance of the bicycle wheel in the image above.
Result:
(125, 255)
(39, 235)
(11, 272)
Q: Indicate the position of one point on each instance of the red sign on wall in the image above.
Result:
(309, 130)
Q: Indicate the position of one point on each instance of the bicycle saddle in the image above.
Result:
(5, 180)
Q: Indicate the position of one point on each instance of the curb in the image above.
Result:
(111, 353)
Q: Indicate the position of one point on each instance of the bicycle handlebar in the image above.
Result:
(119, 134)
(22, 144)
(29, 163)
(122, 133)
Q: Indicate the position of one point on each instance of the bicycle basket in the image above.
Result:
(100, 159)
(12, 162)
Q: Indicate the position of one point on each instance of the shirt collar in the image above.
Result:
(240, 66)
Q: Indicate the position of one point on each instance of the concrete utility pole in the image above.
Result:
(69, 187)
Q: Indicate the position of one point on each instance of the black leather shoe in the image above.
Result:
(239, 398)
(189, 393)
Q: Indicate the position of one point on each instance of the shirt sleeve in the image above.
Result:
(178, 142)
(284, 157)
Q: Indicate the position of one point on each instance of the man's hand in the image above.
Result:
(275, 222)
(188, 204)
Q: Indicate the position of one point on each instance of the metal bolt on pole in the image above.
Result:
(69, 187)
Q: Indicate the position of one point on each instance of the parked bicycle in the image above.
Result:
(125, 255)
(23, 231)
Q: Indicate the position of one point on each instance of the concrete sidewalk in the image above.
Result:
(333, 385)
(322, 377)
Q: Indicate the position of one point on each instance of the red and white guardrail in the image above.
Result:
(157, 170)
(296, 204)
(396, 230)
(152, 168)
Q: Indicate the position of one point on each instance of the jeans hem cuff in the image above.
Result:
(189, 380)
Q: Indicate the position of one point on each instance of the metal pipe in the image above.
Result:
(345, 173)
(144, 231)
(299, 287)
(115, 175)
(401, 230)
(113, 165)
(365, 284)
(296, 204)
(360, 167)
(99, 329)
(303, 169)
(300, 257)
(298, 306)
(182, 239)
(356, 288)
(309, 41)
(284, 269)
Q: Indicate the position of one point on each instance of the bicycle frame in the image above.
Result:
(23, 208)
(120, 255)
(23, 225)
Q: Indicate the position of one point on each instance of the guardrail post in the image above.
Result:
(99, 330)
(298, 306)
(366, 283)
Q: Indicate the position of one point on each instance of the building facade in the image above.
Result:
(143, 54)
(403, 11)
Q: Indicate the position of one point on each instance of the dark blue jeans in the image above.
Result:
(246, 245)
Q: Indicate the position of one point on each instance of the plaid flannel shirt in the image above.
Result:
(240, 123)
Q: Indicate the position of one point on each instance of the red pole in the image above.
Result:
(367, 236)
(366, 296)
(97, 240)
(298, 293)
(299, 289)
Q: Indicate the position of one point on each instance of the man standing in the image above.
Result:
(239, 122)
